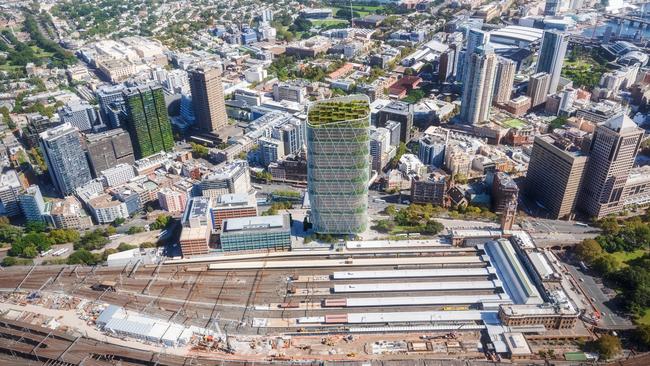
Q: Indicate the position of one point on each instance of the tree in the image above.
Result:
(118, 221)
(9, 261)
(110, 230)
(35, 226)
(384, 226)
(607, 264)
(432, 228)
(30, 251)
(390, 210)
(608, 346)
(82, 256)
(135, 230)
(62, 236)
(588, 250)
(642, 333)
(199, 151)
(162, 221)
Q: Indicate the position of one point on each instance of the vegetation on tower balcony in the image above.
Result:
(338, 111)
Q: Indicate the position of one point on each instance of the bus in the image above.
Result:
(581, 224)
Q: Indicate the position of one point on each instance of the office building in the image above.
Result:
(292, 135)
(230, 206)
(338, 155)
(478, 86)
(65, 158)
(552, 7)
(256, 233)
(80, 115)
(9, 191)
(551, 317)
(611, 156)
(537, 88)
(231, 178)
(401, 113)
(148, 122)
(432, 150)
(504, 192)
(108, 149)
(111, 104)
(504, 81)
(197, 227)
(555, 174)
(32, 204)
(285, 91)
(394, 128)
(551, 57)
(380, 148)
(207, 98)
(431, 188)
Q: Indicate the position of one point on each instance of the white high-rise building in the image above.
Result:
(479, 86)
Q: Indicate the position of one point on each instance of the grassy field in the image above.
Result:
(363, 10)
(514, 123)
(628, 256)
(329, 22)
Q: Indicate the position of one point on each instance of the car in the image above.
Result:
(582, 280)
(592, 299)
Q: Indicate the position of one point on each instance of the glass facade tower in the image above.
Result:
(338, 157)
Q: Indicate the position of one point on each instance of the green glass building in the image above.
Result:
(338, 164)
(148, 122)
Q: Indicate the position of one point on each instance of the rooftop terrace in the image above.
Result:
(338, 111)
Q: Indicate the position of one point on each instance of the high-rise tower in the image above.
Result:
(504, 80)
(611, 157)
(478, 86)
(65, 158)
(338, 155)
(148, 122)
(207, 98)
(551, 57)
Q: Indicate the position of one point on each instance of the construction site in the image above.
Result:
(373, 300)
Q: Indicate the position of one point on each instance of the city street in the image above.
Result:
(602, 302)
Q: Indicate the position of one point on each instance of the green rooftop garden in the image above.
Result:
(337, 111)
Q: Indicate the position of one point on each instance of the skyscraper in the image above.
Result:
(537, 88)
(207, 98)
(611, 157)
(475, 38)
(479, 86)
(338, 154)
(148, 122)
(554, 175)
(66, 162)
(504, 80)
(551, 57)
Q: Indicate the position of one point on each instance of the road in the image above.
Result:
(601, 301)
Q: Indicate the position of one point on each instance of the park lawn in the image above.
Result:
(10, 68)
(363, 10)
(625, 257)
(41, 53)
(329, 22)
